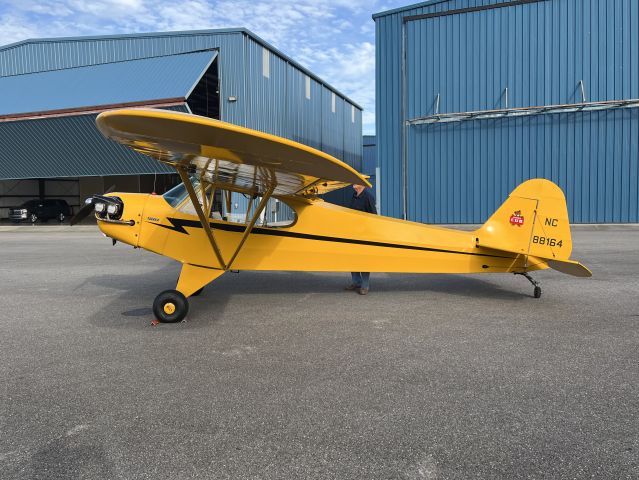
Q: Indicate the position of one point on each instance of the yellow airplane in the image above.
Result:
(529, 232)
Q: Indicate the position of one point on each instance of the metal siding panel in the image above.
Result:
(547, 48)
(633, 45)
(315, 115)
(233, 74)
(369, 160)
(265, 96)
(387, 105)
(352, 149)
(304, 113)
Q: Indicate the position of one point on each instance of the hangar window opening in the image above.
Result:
(205, 98)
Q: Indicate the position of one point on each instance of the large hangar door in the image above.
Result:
(547, 54)
(460, 61)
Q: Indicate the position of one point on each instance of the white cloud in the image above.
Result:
(13, 30)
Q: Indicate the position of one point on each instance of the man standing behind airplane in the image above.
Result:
(364, 201)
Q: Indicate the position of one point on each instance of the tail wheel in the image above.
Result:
(170, 306)
(537, 292)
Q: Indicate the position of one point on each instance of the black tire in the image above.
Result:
(61, 217)
(33, 218)
(170, 306)
(537, 292)
(197, 293)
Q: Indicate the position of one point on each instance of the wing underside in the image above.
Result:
(227, 155)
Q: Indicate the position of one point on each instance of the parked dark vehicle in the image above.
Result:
(35, 210)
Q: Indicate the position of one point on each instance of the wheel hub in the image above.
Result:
(169, 308)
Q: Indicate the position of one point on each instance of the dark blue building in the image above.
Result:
(476, 96)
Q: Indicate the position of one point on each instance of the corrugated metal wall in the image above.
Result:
(460, 172)
(369, 161)
(68, 146)
(276, 103)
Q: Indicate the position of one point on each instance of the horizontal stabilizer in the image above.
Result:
(569, 267)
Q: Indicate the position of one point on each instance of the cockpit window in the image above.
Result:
(178, 194)
(231, 206)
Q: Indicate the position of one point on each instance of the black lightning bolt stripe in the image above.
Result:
(178, 224)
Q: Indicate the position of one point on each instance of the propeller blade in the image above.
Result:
(82, 213)
(87, 209)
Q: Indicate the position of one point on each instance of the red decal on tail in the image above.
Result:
(517, 218)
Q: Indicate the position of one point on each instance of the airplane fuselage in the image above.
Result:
(324, 237)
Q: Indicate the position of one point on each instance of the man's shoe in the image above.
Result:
(363, 291)
(352, 287)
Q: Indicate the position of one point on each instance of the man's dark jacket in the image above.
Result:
(365, 202)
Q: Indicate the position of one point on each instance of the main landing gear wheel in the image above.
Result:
(170, 306)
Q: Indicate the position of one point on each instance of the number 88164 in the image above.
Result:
(551, 242)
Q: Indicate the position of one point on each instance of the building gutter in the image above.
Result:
(166, 102)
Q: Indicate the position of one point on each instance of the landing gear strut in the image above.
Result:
(537, 291)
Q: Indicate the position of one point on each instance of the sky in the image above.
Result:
(335, 39)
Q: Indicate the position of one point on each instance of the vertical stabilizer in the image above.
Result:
(532, 221)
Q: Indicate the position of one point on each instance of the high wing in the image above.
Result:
(227, 155)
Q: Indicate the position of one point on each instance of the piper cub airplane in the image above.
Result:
(529, 232)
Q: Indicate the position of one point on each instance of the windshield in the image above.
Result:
(30, 204)
(177, 194)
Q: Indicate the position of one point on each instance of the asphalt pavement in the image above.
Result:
(281, 375)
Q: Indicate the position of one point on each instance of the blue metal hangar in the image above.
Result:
(52, 90)
(475, 96)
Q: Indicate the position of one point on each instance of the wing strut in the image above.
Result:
(249, 227)
(203, 219)
(207, 226)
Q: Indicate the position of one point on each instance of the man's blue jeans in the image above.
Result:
(360, 279)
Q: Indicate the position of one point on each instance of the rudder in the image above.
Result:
(532, 221)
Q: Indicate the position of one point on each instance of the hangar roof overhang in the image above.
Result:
(413, 6)
(155, 81)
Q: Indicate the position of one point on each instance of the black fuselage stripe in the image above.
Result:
(179, 224)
